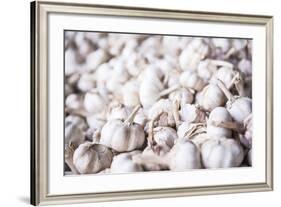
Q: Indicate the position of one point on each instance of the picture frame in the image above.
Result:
(41, 149)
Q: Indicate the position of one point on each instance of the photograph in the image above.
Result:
(155, 102)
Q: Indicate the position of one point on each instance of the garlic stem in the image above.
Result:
(222, 63)
(131, 117)
(168, 91)
(193, 130)
(150, 137)
(228, 125)
(225, 90)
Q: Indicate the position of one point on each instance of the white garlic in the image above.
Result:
(221, 43)
(238, 107)
(123, 136)
(130, 93)
(191, 113)
(86, 82)
(221, 153)
(123, 163)
(96, 58)
(219, 115)
(195, 51)
(166, 108)
(182, 96)
(71, 65)
(161, 139)
(184, 155)
(95, 122)
(74, 102)
(73, 135)
(211, 97)
(92, 158)
(94, 102)
(189, 79)
(77, 121)
(225, 74)
(245, 66)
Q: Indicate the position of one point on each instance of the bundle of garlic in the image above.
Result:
(137, 103)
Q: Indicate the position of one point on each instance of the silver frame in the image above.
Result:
(39, 100)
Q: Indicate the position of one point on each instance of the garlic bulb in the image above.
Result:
(71, 64)
(74, 102)
(73, 135)
(217, 116)
(130, 93)
(161, 139)
(123, 136)
(211, 97)
(91, 158)
(238, 107)
(245, 66)
(166, 108)
(184, 155)
(182, 96)
(95, 122)
(246, 136)
(189, 79)
(96, 58)
(123, 163)
(195, 51)
(225, 74)
(86, 82)
(77, 121)
(191, 113)
(221, 153)
(222, 43)
(94, 102)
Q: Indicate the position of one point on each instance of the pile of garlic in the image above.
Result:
(138, 103)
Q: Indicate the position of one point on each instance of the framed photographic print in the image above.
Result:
(135, 103)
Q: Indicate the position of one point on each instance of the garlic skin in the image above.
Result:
(219, 115)
(164, 138)
(91, 158)
(182, 96)
(123, 163)
(123, 136)
(73, 135)
(94, 102)
(182, 129)
(191, 113)
(189, 79)
(164, 106)
(211, 97)
(221, 153)
(184, 155)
